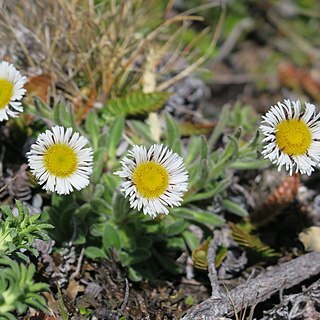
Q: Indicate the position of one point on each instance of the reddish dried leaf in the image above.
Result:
(73, 289)
(39, 86)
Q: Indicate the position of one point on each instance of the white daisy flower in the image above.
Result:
(11, 91)
(59, 160)
(292, 136)
(154, 179)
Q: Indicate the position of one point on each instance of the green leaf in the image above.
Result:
(175, 243)
(120, 207)
(94, 253)
(136, 102)
(92, 127)
(142, 130)
(100, 206)
(114, 137)
(176, 227)
(139, 255)
(110, 238)
(63, 115)
(100, 157)
(219, 128)
(204, 148)
(248, 240)
(134, 275)
(41, 109)
(190, 239)
(234, 208)
(204, 217)
(249, 164)
(172, 134)
(217, 188)
(23, 257)
(194, 146)
(168, 263)
(229, 155)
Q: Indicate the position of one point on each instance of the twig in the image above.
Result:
(259, 289)
(212, 272)
(244, 26)
(125, 299)
(77, 271)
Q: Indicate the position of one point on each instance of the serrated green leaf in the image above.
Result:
(247, 240)
(134, 103)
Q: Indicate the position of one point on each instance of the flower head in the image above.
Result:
(154, 179)
(59, 160)
(11, 91)
(292, 136)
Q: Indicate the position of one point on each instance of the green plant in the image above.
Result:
(18, 289)
(100, 218)
(246, 239)
(18, 233)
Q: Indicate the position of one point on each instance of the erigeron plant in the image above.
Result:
(292, 136)
(11, 91)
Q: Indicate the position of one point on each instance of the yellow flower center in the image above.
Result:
(6, 92)
(60, 160)
(151, 179)
(293, 137)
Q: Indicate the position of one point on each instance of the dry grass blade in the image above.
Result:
(104, 46)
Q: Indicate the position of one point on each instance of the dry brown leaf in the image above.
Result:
(73, 289)
(38, 86)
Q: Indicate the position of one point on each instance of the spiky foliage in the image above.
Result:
(20, 232)
(245, 239)
(18, 289)
(136, 102)
(199, 255)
